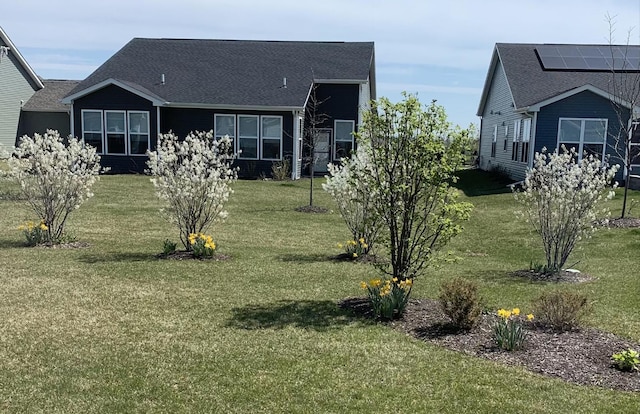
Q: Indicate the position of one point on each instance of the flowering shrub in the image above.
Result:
(34, 233)
(55, 177)
(628, 360)
(508, 330)
(350, 186)
(202, 245)
(355, 248)
(388, 298)
(193, 177)
(560, 197)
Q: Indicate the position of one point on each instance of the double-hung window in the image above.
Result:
(226, 125)
(138, 132)
(516, 138)
(587, 136)
(116, 133)
(634, 150)
(271, 137)
(343, 139)
(494, 141)
(526, 137)
(92, 128)
(248, 136)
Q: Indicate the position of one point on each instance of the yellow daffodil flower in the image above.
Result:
(516, 311)
(530, 317)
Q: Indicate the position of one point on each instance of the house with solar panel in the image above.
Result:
(539, 96)
(256, 92)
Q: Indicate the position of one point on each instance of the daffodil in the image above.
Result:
(516, 311)
(530, 317)
(363, 285)
(361, 240)
(340, 246)
(355, 255)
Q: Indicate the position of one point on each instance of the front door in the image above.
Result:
(322, 151)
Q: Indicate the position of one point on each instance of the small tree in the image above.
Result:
(560, 197)
(55, 177)
(314, 120)
(193, 176)
(351, 187)
(413, 170)
(624, 89)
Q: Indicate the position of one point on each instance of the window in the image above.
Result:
(493, 142)
(115, 131)
(225, 125)
(138, 132)
(634, 152)
(587, 136)
(300, 136)
(271, 137)
(516, 138)
(248, 136)
(92, 129)
(343, 139)
(526, 137)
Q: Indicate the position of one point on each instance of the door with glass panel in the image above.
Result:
(322, 150)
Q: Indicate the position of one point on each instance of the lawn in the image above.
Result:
(111, 328)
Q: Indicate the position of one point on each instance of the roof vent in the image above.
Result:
(284, 83)
(162, 79)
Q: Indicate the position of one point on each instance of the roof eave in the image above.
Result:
(197, 105)
(21, 59)
(487, 81)
(70, 98)
(587, 87)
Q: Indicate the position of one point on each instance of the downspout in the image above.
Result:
(72, 129)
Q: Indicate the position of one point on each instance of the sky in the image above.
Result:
(436, 49)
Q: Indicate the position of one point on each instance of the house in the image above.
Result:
(545, 95)
(18, 83)
(45, 110)
(254, 91)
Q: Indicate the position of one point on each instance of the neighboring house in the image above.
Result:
(543, 95)
(254, 91)
(46, 111)
(18, 83)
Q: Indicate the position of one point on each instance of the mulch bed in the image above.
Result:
(70, 245)
(580, 356)
(185, 255)
(624, 223)
(312, 209)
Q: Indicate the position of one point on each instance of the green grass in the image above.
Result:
(110, 328)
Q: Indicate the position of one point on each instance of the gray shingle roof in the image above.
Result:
(48, 98)
(233, 72)
(530, 83)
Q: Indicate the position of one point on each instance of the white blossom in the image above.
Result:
(350, 185)
(55, 177)
(193, 177)
(560, 197)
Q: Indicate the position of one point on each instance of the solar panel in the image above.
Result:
(589, 57)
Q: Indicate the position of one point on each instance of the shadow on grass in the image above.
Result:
(11, 244)
(117, 257)
(502, 276)
(306, 258)
(306, 314)
(437, 330)
(474, 182)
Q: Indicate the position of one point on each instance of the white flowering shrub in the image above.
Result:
(55, 177)
(351, 187)
(193, 177)
(561, 199)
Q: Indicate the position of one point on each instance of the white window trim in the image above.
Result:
(235, 144)
(256, 138)
(148, 133)
(300, 142)
(105, 138)
(82, 112)
(262, 138)
(581, 143)
(334, 155)
(103, 132)
(516, 130)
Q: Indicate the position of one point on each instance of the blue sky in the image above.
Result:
(437, 49)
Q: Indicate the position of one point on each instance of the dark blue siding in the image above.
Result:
(115, 98)
(582, 105)
(182, 121)
(338, 101)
